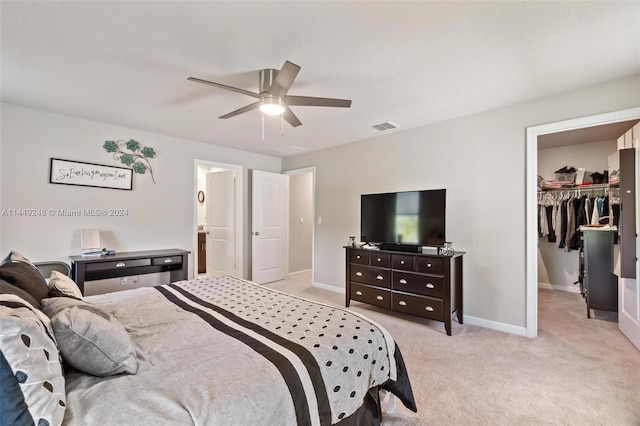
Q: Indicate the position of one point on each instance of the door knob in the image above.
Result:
(256, 233)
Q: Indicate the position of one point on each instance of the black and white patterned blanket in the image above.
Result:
(312, 363)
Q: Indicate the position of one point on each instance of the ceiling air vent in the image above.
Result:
(291, 149)
(387, 125)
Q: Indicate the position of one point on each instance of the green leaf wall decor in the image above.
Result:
(137, 159)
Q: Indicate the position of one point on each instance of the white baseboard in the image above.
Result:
(568, 288)
(304, 271)
(328, 287)
(494, 325)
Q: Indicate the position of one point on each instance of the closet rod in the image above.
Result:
(594, 187)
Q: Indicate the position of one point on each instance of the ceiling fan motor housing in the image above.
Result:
(266, 78)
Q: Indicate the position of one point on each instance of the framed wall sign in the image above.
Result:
(66, 172)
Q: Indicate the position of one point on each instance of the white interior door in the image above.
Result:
(628, 288)
(220, 228)
(270, 193)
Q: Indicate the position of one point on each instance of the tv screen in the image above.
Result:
(414, 218)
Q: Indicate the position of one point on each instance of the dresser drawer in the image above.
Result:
(382, 260)
(116, 264)
(404, 262)
(370, 275)
(427, 285)
(430, 265)
(360, 257)
(371, 295)
(427, 307)
(169, 260)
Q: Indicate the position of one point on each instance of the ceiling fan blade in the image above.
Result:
(311, 101)
(284, 79)
(242, 110)
(290, 117)
(224, 86)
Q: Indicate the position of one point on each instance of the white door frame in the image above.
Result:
(239, 211)
(311, 170)
(531, 183)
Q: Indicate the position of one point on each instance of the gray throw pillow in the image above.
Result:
(51, 306)
(93, 341)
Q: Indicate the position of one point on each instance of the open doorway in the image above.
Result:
(231, 203)
(532, 144)
(301, 221)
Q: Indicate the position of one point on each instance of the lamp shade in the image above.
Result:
(90, 239)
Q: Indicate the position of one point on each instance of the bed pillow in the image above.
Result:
(51, 306)
(65, 285)
(93, 341)
(30, 367)
(25, 276)
(14, 256)
(6, 288)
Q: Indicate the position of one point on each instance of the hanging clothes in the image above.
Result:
(562, 212)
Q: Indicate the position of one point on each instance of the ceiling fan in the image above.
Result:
(272, 96)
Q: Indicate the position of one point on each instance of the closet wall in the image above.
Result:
(558, 268)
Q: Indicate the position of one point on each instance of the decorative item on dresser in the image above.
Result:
(429, 286)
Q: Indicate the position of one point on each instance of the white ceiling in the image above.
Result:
(605, 132)
(412, 63)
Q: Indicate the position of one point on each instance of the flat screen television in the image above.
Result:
(403, 221)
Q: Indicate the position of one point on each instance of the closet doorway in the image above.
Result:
(591, 124)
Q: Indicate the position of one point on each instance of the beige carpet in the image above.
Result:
(578, 371)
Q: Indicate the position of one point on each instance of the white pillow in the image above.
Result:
(64, 284)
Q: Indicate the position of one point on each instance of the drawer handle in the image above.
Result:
(402, 262)
(358, 257)
(402, 281)
(120, 264)
(428, 308)
(428, 265)
(429, 285)
(359, 293)
(379, 297)
(402, 303)
(168, 260)
(379, 260)
(379, 277)
(358, 274)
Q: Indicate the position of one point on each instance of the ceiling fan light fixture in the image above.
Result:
(271, 105)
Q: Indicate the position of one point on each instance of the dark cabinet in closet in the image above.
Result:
(599, 284)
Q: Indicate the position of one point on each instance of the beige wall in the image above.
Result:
(159, 216)
(480, 160)
(300, 221)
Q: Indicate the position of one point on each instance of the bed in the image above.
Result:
(208, 351)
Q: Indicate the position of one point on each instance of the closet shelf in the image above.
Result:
(581, 188)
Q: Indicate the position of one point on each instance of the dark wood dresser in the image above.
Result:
(426, 285)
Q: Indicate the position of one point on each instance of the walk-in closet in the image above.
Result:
(579, 214)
